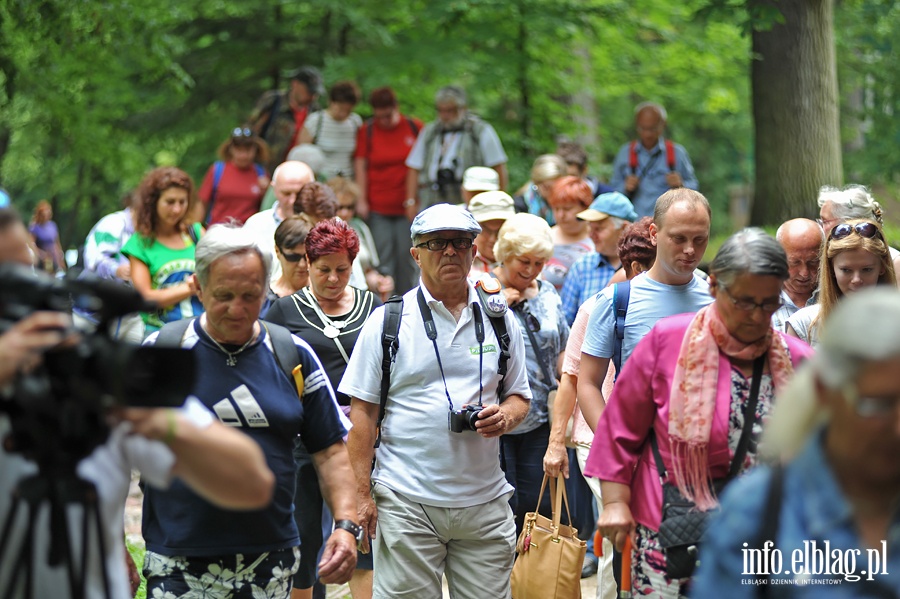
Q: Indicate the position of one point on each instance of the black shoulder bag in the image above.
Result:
(682, 525)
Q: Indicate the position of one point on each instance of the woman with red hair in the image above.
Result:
(329, 315)
(571, 236)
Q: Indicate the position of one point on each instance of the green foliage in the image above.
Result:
(137, 551)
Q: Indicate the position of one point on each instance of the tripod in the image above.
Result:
(58, 490)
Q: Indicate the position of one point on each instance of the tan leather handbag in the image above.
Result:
(550, 554)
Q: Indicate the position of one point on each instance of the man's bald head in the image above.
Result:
(287, 181)
(802, 240)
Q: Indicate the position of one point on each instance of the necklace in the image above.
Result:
(232, 355)
(332, 328)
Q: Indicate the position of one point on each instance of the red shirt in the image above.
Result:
(238, 195)
(386, 151)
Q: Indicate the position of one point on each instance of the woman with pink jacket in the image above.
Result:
(686, 389)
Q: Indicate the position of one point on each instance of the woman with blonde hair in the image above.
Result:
(524, 244)
(856, 256)
(534, 197)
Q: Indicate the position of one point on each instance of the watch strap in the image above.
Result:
(350, 526)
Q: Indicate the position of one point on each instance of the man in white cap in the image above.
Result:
(490, 209)
(437, 493)
(608, 216)
(478, 179)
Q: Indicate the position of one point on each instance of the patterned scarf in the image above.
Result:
(692, 402)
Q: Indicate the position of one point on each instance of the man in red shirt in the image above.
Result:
(382, 146)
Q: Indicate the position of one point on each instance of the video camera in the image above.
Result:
(58, 412)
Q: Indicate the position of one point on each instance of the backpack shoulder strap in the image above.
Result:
(273, 110)
(498, 323)
(670, 155)
(621, 295)
(260, 169)
(390, 343)
(283, 346)
(412, 126)
(171, 334)
(218, 170)
(319, 128)
(632, 156)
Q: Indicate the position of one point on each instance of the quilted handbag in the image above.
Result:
(680, 532)
(550, 554)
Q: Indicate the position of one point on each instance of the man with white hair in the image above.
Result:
(287, 181)
(647, 167)
(802, 240)
(444, 150)
(830, 513)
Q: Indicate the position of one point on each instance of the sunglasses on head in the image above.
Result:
(242, 132)
(867, 230)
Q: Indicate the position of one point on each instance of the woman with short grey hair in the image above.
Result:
(524, 244)
(837, 424)
(689, 406)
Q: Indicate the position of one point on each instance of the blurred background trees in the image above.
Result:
(93, 94)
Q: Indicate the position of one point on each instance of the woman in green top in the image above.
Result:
(161, 251)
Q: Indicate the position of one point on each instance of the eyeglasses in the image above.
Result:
(748, 306)
(437, 245)
(242, 132)
(292, 257)
(870, 407)
(826, 222)
(867, 230)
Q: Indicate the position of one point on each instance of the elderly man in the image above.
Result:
(440, 497)
(279, 114)
(243, 378)
(490, 209)
(220, 464)
(288, 180)
(802, 240)
(646, 167)
(608, 216)
(446, 148)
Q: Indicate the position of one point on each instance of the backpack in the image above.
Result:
(370, 123)
(218, 170)
(390, 344)
(171, 334)
(633, 158)
(621, 295)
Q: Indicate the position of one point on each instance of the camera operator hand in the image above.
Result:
(495, 420)
(22, 346)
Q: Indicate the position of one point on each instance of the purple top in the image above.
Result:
(45, 235)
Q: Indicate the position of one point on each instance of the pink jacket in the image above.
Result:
(621, 450)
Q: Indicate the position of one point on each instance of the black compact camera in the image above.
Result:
(464, 419)
(446, 179)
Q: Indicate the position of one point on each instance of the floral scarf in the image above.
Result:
(692, 402)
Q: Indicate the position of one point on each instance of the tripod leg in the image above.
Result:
(92, 511)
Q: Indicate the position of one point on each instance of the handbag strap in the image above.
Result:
(542, 362)
(557, 496)
(743, 442)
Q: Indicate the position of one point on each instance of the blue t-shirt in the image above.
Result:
(256, 396)
(649, 302)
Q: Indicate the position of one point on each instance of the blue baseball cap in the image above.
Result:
(609, 204)
(444, 217)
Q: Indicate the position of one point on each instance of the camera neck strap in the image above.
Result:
(431, 332)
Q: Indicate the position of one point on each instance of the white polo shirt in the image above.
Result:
(419, 457)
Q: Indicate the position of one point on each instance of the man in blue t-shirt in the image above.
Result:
(239, 378)
(680, 232)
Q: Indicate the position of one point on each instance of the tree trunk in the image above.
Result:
(795, 110)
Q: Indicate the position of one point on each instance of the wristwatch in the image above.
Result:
(352, 527)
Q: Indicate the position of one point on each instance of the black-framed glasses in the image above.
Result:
(870, 407)
(867, 230)
(242, 132)
(439, 244)
(749, 306)
(292, 256)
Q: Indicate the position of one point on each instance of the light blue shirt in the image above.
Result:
(813, 510)
(652, 170)
(649, 302)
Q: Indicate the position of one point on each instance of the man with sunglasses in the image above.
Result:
(439, 497)
(802, 240)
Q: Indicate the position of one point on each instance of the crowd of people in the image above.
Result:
(392, 354)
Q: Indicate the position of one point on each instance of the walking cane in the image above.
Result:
(625, 590)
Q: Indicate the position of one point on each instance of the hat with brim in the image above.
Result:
(491, 205)
(480, 178)
(609, 204)
(444, 217)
